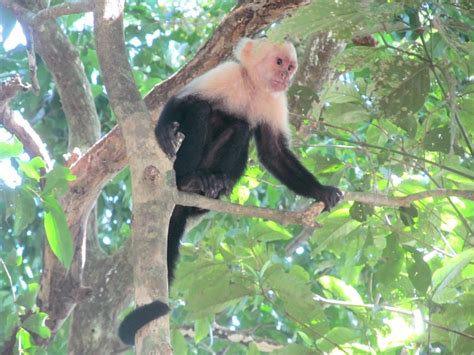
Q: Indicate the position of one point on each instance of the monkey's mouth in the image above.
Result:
(279, 85)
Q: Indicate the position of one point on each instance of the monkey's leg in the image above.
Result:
(175, 232)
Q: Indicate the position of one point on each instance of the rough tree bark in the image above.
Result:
(152, 197)
(314, 70)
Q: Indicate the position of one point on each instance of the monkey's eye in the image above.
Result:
(279, 61)
(291, 67)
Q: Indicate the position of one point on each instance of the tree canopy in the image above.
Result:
(382, 107)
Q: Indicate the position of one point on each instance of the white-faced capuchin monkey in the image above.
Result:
(218, 113)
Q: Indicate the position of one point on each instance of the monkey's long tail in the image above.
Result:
(138, 318)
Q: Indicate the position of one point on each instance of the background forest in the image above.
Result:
(382, 107)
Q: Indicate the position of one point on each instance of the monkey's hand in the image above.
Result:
(170, 139)
(329, 195)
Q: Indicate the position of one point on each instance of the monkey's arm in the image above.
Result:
(276, 156)
(187, 115)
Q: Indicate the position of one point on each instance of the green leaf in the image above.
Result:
(240, 194)
(180, 346)
(391, 263)
(32, 168)
(447, 295)
(303, 96)
(25, 210)
(253, 349)
(342, 18)
(57, 231)
(408, 215)
(334, 231)
(445, 275)
(293, 349)
(438, 140)
(340, 289)
(28, 298)
(10, 322)
(295, 293)
(419, 274)
(401, 87)
(213, 288)
(23, 340)
(269, 231)
(36, 324)
(11, 149)
(359, 211)
(464, 345)
(57, 181)
(346, 113)
(201, 327)
(337, 335)
(13, 259)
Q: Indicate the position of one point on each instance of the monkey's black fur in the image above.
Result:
(135, 320)
(210, 160)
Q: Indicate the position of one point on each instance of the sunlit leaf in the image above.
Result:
(28, 297)
(36, 324)
(57, 231)
(10, 149)
(32, 168)
(201, 327)
(57, 181)
(451, 269)
(337, 335)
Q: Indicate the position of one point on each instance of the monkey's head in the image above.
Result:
(270, 65)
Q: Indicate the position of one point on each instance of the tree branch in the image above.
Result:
(305, 217)
(10, 88)
(66, 8)
(242, 337)
(20, 128)
(405, 201)
(17, 125)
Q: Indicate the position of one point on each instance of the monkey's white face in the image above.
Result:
(277, 68)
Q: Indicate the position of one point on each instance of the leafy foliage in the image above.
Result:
(397, 121)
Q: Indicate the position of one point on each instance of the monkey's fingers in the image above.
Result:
(170, 139)
(330, 196)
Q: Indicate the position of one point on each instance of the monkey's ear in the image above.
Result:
(243, 50)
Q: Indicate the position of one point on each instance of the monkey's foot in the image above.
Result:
(212, 185)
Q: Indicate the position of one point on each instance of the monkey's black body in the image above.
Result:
(210, 160)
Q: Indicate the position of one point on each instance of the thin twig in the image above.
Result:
(405, 201)
(364, 144)
(404, 51)
(32, 67)
(9, 277)
(321, 299)
(300, 239)
(307, 327)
